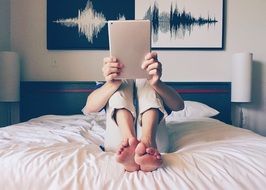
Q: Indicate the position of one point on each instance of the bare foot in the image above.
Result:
(149, 158)
(125, 154)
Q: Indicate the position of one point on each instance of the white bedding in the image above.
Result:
(62, 152)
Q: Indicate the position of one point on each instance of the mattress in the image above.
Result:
(64, 152)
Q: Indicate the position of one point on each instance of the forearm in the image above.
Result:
(170, 97)
(99, 97)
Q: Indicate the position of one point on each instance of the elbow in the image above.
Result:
(88, 110)
(179, 106)
(182, 105)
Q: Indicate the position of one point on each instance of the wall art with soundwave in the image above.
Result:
(176, 24)
(183, 23)
(82, 24)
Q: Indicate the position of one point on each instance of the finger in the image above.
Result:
(108, 70)
(114, 64)
(154, 55)
(146, 63)
(154, 72)
(151, 55)
(109, 59)
(111, 70)
(156, 65)
(111, 77)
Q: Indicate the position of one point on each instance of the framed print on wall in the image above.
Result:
(176, 24)
(82, 24)
(183, 24)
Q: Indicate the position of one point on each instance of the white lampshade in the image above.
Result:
(241, 77)
(9, 77)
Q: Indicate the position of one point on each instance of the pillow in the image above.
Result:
(193, 109)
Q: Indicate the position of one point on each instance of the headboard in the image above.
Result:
(67, 98)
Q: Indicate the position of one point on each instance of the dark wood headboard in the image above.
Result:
(67, 98)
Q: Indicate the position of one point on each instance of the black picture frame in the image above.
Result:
(184, 24)
(176, 24)
(82, 24)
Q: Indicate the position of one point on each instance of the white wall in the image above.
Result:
(245, 31)
(4, 45)
(4, 25)
(29, 38)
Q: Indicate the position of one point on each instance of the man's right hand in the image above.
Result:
(111, 69)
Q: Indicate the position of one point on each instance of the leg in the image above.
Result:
(151, 129)
(126, 153)
(147, 155)
(122, 99)
(147, 99)
(120, 126)
(125, 122)
(150, 119)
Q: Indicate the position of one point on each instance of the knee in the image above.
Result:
(153, 113)
(154, 110)
(122, 113)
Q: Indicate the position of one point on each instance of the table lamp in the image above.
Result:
(241, 80)
(9, 81)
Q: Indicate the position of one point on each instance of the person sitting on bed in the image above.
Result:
(135, 110)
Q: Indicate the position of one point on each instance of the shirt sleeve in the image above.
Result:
(98, 84)
(167, 109)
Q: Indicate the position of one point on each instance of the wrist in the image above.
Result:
(156, 84)
(113, 84)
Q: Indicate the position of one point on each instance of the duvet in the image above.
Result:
(64, 153)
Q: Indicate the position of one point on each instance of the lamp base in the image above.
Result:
(9, 113)
(241, 117)
(238, 115)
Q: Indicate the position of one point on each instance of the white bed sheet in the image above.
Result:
(62, 152)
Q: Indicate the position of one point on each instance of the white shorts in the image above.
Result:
(147, 98)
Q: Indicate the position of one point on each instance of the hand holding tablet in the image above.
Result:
(129, 43)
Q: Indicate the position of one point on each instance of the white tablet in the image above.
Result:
(129, 42)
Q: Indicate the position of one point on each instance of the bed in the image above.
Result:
(56, 147)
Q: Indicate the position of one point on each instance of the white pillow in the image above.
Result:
(193, 109)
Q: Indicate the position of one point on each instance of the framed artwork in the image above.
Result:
(183, 23)
(82, 24)
(175, 24)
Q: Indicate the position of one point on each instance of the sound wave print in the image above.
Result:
(179, 23)
(89, 22)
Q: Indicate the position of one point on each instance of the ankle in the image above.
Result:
(128, 136)
(148, 142)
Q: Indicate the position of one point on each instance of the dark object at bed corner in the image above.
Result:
(68, 98)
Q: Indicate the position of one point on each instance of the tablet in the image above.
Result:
(129, 42)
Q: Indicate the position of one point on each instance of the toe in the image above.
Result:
(158, 157)
(121, 150)
(125, 143)
(140, 149)
(150, 150)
